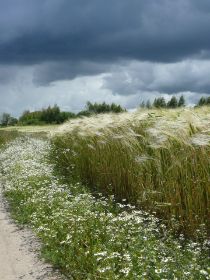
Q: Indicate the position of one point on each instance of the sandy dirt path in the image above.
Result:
(18, 257)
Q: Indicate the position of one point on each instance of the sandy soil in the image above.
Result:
(18, 252)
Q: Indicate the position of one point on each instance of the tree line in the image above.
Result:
(53, 115)
(174, 102)
(160, 102)
(203, 101)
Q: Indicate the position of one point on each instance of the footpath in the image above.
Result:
(18, 256)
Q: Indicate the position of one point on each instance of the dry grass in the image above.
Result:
(157, 159)
(31, 128)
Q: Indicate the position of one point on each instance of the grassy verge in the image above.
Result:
(89, 237)
(158, 160)
(7, 136)
(30, 128)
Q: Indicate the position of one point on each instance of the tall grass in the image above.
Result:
(158, 160)
(88, 237)
(6, 136)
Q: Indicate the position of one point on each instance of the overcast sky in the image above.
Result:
(70, 51)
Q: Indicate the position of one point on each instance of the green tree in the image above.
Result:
(116, 108)
(202, 101)
(84, 113)
(173, 103)
(12, 121)
(208, 100)
(148, 104)
(5, 118)
(181, 102)
(50, 115)
(98, 108)
(159, 102)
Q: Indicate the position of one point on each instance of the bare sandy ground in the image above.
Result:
(18, 252)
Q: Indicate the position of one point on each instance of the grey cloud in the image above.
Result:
(7, 73)
(72, 95)
(21, 93)
(185, 76)
(46, 73)
(143, 48)
(46, 30)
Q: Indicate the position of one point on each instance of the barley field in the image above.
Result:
(158, 160)
(115, 196)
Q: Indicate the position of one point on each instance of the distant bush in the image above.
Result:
(98, 108)
(84, 113)
(50, 115)
(53, 115)
(7, 120)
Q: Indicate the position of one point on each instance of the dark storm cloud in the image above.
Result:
(143, 48)
(103, 30)
(170, 78)
(48, 72)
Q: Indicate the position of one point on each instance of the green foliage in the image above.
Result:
(53, 115)
(173, 103)
(208, 100)
(148, 104)
(98, 108)
(84, 113)
(7, 120)
(30, 118)
(181, 102)
(50, 115)
(160, 102)
(204, 101)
